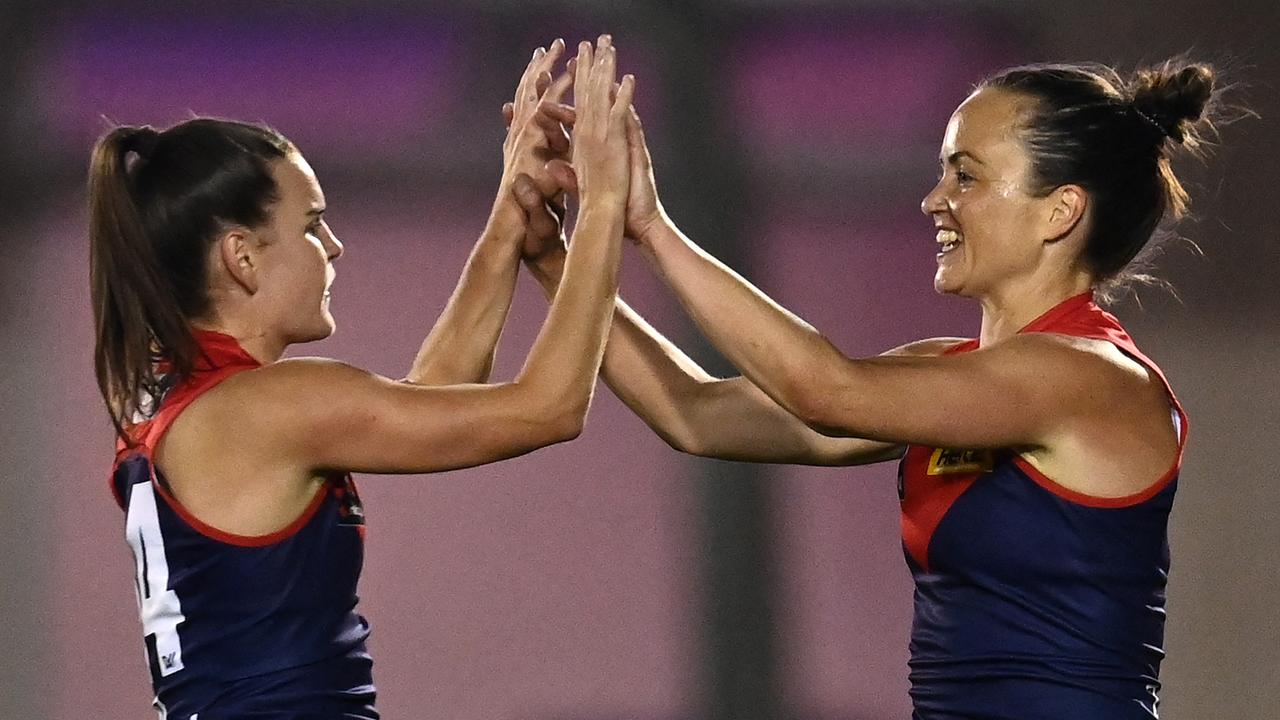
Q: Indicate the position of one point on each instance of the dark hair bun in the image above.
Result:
(1174, 97)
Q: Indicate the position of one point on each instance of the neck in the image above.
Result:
(1013, 307)
(255, 341)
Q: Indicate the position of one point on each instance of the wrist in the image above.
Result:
(658, 231)
(547, 269)
(506, 222)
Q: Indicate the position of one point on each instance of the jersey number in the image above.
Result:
(157, 605)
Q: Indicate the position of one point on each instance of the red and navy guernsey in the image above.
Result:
(261, 627)
(1033, 600)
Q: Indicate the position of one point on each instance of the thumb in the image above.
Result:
(562, 172)
(526, 192)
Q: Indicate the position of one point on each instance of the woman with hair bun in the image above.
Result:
(210, 255)
(1038, 461)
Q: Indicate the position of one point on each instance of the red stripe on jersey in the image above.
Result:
(926, 499)
(928, 493)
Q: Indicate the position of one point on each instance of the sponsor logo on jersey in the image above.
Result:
(950, 462)
(350, 509)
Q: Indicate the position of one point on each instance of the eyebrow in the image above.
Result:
(954, 157)
(316, 211)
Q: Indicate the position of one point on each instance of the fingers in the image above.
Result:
(541, 70)
(554, 92)
(582, 71)
(526, 78)
(607, 59)
(562, 173)
(531, 82)
(626, 93)
(563, 114)
(637, 148)
(543, 221)
(557, 138)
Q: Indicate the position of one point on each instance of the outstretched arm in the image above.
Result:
(461, 346)
(1029, 391)
(691, 410)
(1000, 392)
(321, 415)
(697, 413)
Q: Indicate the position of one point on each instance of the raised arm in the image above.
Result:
(323, 415)
(910, 396)
(697, 413)
(691, 410)
(461, 346)
(994, 397)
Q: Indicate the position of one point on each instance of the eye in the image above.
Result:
(964, 177)
(314, 228)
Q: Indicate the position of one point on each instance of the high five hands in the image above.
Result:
(550, 168)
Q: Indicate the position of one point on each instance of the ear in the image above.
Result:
(1067, 205)
(235, 249)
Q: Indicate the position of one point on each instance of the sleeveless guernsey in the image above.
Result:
(260, 627)
(1033, 600)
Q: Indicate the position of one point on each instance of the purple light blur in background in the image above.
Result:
(371, 85)
(567, 583)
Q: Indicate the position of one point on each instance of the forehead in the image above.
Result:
(986, 124)
(297, 183)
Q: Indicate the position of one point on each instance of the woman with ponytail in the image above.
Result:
(211, 254)
(1039, 460)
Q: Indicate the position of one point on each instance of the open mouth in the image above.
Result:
(949, 240)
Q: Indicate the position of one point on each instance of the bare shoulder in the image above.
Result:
(1096, 360)
(1100, 393)
(1117, 438)
(929, 347)
(263, 407)
(303, 384)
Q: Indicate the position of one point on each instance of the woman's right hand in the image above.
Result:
(645, 213)
(601, 161)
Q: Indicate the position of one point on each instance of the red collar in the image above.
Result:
(1054, 315)
(219, 350)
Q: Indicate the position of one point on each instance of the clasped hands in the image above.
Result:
(541, 169)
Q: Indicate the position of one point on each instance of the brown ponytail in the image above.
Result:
(156, 202)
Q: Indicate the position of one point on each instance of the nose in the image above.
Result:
(935, 201)
(332, 245)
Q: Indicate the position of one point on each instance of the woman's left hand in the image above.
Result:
(528, 146)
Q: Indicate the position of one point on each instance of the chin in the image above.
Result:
(319, 331)
(945, 285)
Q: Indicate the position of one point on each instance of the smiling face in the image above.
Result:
(296, 254)
(988, 221)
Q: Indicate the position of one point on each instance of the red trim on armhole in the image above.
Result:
(1081, 317)
(229, 538)
(221, 358)
(1097, 501)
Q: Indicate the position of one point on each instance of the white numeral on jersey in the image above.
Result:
(157, 604)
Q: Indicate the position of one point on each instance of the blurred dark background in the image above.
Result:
(612, 577)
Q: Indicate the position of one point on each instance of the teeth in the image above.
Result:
(948, 239)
